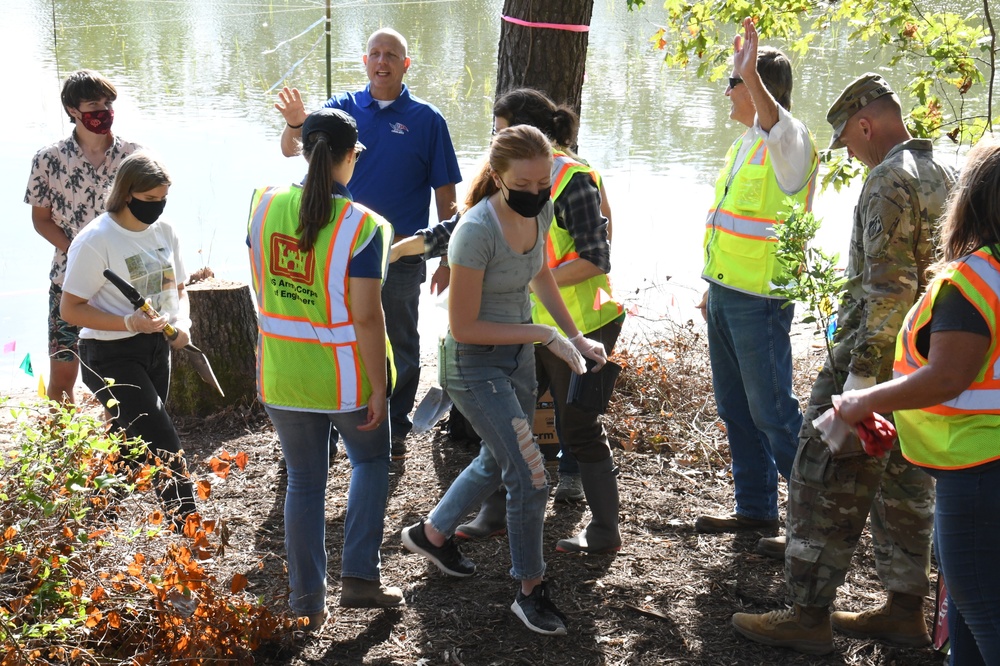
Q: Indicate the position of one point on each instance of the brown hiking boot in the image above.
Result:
(802, 628)
(899, 620)
(734, 522)
(773, 547)
(361, 593)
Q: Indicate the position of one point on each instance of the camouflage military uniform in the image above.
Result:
(892, 243)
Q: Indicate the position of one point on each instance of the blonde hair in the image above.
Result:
(520, 142)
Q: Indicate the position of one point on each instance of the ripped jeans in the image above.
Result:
(494, 387)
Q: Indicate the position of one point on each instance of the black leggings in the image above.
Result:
(140, 368)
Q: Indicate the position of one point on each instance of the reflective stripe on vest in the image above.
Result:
(961, 432)
(304, 321)
(560, 249)
(739, 239)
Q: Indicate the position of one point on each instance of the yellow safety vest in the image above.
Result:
(307, 348)
(964, 431)
(590, 302)
(739, 237)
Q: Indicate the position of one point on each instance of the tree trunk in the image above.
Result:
(553, 61)
(224, 326)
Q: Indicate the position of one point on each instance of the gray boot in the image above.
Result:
(491, 519)
(600, 484)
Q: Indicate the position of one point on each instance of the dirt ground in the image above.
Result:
(665, 598)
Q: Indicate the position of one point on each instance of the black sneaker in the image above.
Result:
(448, 558)
(398, 449)
(538, 612)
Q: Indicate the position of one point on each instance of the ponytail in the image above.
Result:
(482, 186)
(317, 199)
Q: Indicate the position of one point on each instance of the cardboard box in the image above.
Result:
(545, 426)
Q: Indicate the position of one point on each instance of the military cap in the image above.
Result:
(859, 93)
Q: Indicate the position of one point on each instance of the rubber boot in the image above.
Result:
(899, 620)
(600, 485)
(802, 628)
(491, 519)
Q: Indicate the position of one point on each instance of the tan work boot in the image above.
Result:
(802, 628)
(773, 547)
(899, 620)
(361, 593)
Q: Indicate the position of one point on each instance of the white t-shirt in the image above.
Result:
(149, 259)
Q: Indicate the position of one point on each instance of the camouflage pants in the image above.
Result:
(829, 500)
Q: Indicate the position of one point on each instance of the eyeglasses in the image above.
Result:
(734, 81)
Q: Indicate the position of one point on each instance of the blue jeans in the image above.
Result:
(967, 541)
(305, 443)
(494, 386)
(752, 377)
(400, 298)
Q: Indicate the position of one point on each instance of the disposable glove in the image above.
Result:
(591, 349)
(566, 350)
(140, 322)
(856, 383)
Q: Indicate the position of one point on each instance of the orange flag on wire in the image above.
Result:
(600, 298)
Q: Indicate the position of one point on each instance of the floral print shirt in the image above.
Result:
(63, 180)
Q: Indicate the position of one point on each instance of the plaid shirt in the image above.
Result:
(577, 209)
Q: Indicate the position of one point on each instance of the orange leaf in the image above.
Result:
(67, 532)
(220, 468)
(98, 594)
(208, 526)
(77, 587)
(241, 460)
(114, 620)
(204, 489)
(94, 616)
(95, 534)
(9, 533)
(156, 517)
(191, 525)
(239, 583)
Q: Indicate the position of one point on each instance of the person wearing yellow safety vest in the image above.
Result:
(318, 263)
(945, 398)
(748, 327)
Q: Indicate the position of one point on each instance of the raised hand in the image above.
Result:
(745, 50)
(290, 105)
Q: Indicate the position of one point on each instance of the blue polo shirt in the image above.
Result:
(409, 154)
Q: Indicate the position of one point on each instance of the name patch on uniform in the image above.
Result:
(287, 260)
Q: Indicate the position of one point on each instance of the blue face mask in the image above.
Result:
(146, 212)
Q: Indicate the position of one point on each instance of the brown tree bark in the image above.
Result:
(224, 326)
(553, 61)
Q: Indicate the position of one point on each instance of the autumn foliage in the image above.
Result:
(93, 572)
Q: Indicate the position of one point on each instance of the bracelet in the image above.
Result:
(299, 126)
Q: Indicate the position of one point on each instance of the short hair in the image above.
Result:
(527, 106)
(388, 32)
(86, 86)
(775, 71)
(139, 172)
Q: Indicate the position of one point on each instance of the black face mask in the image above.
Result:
(525, 204)
(146, 212)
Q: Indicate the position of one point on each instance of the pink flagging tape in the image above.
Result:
(550, 26)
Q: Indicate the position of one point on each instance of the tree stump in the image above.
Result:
(224, 326)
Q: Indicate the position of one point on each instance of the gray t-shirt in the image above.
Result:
(478, 243)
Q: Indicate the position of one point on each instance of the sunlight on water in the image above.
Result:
(194, 78)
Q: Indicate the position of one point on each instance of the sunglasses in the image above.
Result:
(734, 81)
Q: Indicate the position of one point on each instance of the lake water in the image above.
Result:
(195, 82)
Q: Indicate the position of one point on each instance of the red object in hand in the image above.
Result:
(877, 434)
